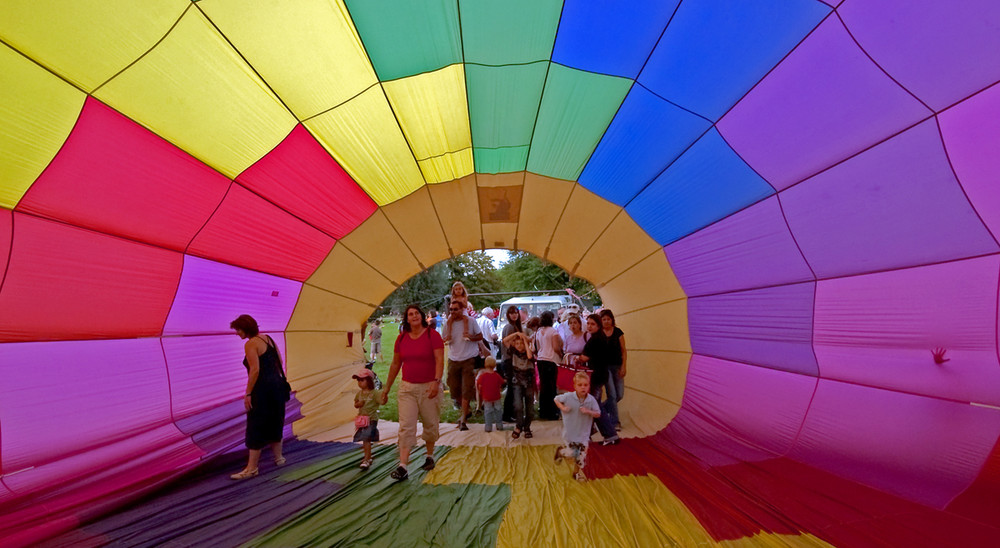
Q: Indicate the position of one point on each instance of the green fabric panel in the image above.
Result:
(577, 107)
(404, 38)
(511, 31)
(500, 160)
(373, 510)
(503, 102)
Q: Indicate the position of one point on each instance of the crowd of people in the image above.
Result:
(505, 373)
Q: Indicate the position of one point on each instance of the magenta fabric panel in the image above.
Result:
(137, 184)
(895, 205)
(65, 282)
(301, 177)
(205, 372)
(6, 233)
(879, 329)
(770, 327)
(923, 449)
(251, 232)
(823, 103)
(972, 138)
(742, 412)
(211, 295)
(941, 51)
(749, 249)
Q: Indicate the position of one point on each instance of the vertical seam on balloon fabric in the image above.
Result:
(438, 216)
(545, 80)
(951, 166)
(170, 390)
(209, 218)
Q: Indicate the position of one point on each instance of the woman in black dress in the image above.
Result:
(266, 394)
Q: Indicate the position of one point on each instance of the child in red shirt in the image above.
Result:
(488, 385)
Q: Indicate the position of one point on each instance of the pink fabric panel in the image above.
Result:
(251, 232)
(211, 295)
(65, 282)
(823, 103)
(940, 51)
(972, 138)
(137, 185)
(301, 177)
(78, 395)
(747, 250)
(879, 329)
(742, 411)
(922, 449)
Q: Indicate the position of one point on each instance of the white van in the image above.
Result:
(533, 306)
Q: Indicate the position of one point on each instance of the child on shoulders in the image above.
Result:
(461, 296)
(367, 402)
(579, 409)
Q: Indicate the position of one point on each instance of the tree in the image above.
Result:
(526, 272)
(429, 288)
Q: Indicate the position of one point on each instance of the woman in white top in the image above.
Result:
(548, 347)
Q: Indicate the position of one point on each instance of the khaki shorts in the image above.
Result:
(413, 402)
(462, 379)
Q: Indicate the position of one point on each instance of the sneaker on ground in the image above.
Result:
(365, 464)
(528, 434)
(462, 426)
(579, 476)
(612, 441)
(428, 464)
(399, 474)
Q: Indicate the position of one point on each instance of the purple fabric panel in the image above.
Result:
(222, 428)
(823, 103)
(770, 327)
(211, 295)
(940, 51)
(205, 372)
(63, 398)
(893, 206)
(879, 330)
(749, 249)
(922, 449)
(972, 139)
(743, 412)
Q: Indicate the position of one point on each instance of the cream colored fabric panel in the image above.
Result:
(319, 310)
(457, 205)
(377, 243)
(320, 366)
(661, 374)
(364, 137)
(343, 272)
(37, 113)
(647, 283)
(447, 167)
(647, 414)
(500, 179)
(660, 327)
(87, 41)
(416, 221)
(499, 235)
(622, 245)
(541, 203)
(194, 90)
(307, 50)
(586, 215)
(433, 111)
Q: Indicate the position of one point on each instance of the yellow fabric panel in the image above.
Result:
(448, 166)
(622, 245)
(660, 327)
(307, 51)
(649, 282)
(586, 216)
(320, 366)
(541, 203)
(87, 41)
(433, 111)
(320, 310)
(500, 179)
(376, 242)
(416, 221)
(646, 413)
(457, 204)
(194, 90)
(660, 374)
(344, 273)
(37, 113)
(364, 137)
(499, 235)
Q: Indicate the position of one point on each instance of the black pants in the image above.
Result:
(547, 373)
(508, 400)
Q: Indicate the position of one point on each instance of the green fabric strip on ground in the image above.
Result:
(500, 160)
(503, 102)
(371, 509)
(512, 31)
(404, 38)
(577, 107)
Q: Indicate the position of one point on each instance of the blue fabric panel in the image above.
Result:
(610, 36)
(714, 51)
(707, 183)
(646, 135)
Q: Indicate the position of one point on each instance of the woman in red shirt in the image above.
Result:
(419, 352)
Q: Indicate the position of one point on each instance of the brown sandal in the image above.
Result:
(245, 474)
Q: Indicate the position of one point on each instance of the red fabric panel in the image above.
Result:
(303, 179)
(65, 282)
(981, 501)
(251, 232)
(137, 185)
(6, 230)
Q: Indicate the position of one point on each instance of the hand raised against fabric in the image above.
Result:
(938, 354)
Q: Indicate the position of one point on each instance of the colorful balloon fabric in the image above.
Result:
(789, 204)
